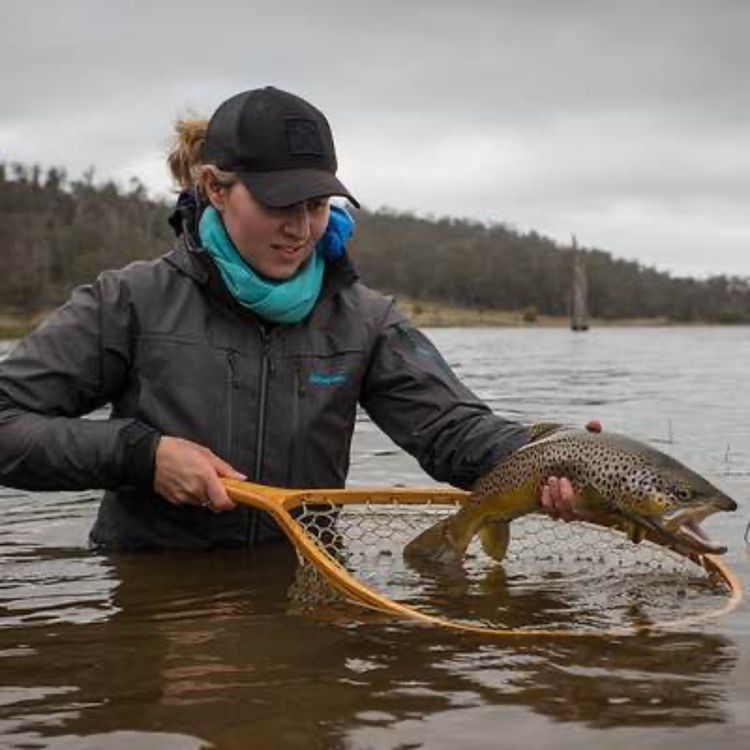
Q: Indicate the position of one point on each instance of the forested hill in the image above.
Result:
(468, 263)
(56, 233)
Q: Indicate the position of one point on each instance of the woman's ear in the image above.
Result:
(213, 190)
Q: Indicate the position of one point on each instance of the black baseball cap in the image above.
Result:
(280, 147)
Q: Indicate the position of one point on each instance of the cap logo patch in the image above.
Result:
(303, 137)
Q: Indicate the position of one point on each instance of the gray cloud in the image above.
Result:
(626, 123)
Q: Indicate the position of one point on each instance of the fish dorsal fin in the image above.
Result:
(539, 430)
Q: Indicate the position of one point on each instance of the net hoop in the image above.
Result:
(280, 502)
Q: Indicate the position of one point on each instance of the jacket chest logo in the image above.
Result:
(327, 378)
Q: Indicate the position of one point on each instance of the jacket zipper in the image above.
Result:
(266, 371)
(301, 390)
(232, 384)
(297, 396)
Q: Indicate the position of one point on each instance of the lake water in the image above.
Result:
(200, 650)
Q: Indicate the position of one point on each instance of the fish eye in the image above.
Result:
(683, 493)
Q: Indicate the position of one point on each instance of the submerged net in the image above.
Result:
(556, 576)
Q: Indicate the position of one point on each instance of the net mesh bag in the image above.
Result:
(566, 577)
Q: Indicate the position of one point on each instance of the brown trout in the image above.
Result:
(612, 474)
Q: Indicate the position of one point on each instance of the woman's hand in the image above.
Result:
(188, 474)
(558, 499)
(558, 496)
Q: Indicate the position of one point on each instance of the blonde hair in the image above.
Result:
(185, 156)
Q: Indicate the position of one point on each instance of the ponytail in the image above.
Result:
(185, 158)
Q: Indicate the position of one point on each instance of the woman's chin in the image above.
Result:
(282, 265)
(279, 271)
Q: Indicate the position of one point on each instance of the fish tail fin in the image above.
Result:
(435, 543)
(494, 536)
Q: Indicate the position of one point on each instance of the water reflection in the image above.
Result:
(203, 645)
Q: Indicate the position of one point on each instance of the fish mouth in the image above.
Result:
(681, 529)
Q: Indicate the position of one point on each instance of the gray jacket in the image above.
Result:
(163, 343)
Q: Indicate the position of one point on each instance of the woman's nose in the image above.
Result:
(297, 221)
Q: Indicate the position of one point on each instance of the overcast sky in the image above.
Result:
(626, 123)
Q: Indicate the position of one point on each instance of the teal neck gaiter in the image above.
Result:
(285, 301)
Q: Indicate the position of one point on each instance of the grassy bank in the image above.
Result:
(422, 314)
(15, 325)
(430, 314)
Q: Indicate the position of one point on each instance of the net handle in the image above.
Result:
(269, 498)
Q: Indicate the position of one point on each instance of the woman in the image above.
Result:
(241, 353)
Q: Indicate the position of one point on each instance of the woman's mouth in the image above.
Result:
(288, 250)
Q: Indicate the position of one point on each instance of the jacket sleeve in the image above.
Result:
(412, 394)
(76, 362)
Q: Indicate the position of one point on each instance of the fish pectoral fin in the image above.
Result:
(494, 535)
(635, 532)
(435, 543)
(591, 500)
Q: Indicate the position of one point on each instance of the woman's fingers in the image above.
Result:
(565, 501)
(223, 469)
(558, 498)
(216, 495)
(545, 499)
(188, 473)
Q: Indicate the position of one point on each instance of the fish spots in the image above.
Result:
(608, 471)
(618, 469)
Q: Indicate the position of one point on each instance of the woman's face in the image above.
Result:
(274, 241)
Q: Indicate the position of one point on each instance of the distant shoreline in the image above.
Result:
(14, 326)
(423, 315)
(432, 315)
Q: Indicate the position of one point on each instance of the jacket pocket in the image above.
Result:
(322, 412)
(183, 387)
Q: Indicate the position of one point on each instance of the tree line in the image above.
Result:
(492, 266)
(56, 233)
